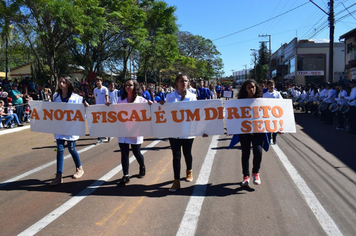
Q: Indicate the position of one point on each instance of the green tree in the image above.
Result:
(159, 50)
(208, 62)
(48, 24)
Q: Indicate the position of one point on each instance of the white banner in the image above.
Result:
(58, 118)
(181, 119)
(178, 119)
(260, 115)
(119, 120)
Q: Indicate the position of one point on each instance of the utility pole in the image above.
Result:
(269, 40)
(331, 42)
(245, 71)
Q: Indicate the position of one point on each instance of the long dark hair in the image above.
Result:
(176, 87)
(71, 88)
(136, 89)
(243, 92)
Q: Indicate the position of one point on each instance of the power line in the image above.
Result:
(260, 22)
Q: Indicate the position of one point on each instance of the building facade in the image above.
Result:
(350, 53)
(305, 61)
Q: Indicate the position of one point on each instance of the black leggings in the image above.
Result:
(257, 142)
(176, 146)
(125, 149)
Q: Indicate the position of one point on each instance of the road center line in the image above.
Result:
(38, 226)
(190, 219)
(320, 213)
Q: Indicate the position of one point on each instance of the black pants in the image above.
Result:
(257, 142)
(125, 149)
(352, 119)
(329, 116)
(177, 145)
(340, 119)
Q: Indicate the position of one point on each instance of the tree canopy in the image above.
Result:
(107, 36)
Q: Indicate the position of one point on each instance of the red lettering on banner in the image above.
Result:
(47, 114)
(160, 116)
(268, 125)
(112, 117)
(191, 116)
(277, 111)
(245, 112)
(119, 116)
(246, 126)
(265, 110)
(34, 114)
(144, 116)
(232, 112)
(175, 118)
(258, 126)
(96, 116)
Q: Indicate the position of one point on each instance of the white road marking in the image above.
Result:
(320, 213)
(2, 184)
(8, 131)
(190, 219)
(38, 226)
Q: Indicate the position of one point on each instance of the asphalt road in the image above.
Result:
(308, 188)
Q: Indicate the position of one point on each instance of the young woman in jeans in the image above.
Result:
(66, 94)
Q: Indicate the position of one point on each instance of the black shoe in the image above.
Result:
(123, 181)
(142, 172)
(19, 125)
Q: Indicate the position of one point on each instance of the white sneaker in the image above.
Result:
(246, 181)
(256, 179)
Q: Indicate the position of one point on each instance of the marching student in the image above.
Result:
(352, 103)
(101, 96)
(272, 93)
(66, 93)
(131, 94)
(181, 93)
(250, 89)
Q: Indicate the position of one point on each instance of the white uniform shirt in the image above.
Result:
(323, 93)
(274, 94)
(132, 140)
(352, 97)
(331, 94)
(100, 95)
(74, 98)
(340, 100)
(114, 96)
(175, 97)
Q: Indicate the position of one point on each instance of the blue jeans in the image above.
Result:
(60, 154)
(7, 119)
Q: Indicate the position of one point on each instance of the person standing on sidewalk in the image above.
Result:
(66, 93)
(250, 89)
(101, 96)
(131, 94)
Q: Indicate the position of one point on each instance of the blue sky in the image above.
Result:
(245, 20)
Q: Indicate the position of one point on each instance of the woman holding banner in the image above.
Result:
(66, 93)
(177, 143)
(250, 89)
(131, 94)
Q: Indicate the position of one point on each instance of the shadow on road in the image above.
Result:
(339, 143)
